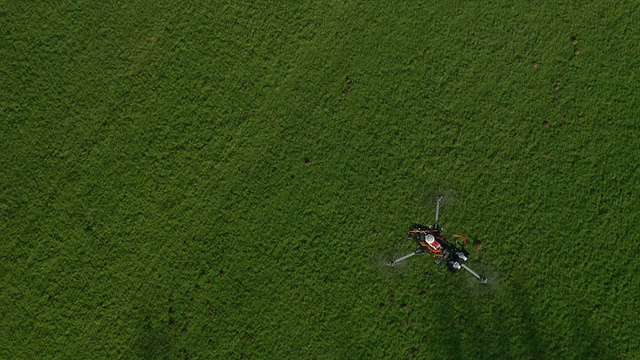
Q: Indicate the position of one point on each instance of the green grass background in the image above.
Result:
(155, 203)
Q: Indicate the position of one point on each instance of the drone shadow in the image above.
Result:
(514, 330)
(492, 333)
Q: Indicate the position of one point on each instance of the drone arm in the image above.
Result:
(393, 262)
(438, 200)
(480, 277)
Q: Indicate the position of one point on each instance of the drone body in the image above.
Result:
(430, 239)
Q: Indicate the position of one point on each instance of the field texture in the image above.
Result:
(227, 179)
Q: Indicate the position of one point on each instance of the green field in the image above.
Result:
(227, 179)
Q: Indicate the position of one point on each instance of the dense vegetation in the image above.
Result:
(227, 179)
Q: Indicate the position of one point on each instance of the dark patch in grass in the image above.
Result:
(349, 86)
(477, 244)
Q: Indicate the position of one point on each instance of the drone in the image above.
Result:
(431, 240)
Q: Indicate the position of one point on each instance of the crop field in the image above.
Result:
(228, 179)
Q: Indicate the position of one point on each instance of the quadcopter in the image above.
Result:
(430, 239)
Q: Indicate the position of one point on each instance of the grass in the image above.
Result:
(155, 200)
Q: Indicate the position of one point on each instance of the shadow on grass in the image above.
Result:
(515, 331)
(154, 343)
(480, 327)
(530, 339)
